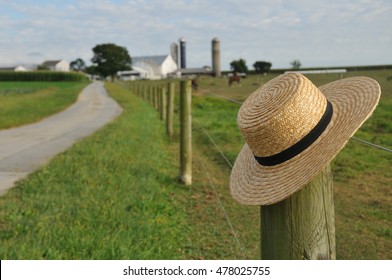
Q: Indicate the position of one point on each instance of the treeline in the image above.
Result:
(42, 76)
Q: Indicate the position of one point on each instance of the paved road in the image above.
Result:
(24, 149)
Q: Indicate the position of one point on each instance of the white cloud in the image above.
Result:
(325, 32)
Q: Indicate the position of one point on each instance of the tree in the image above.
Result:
(92, 70)
(239, 66)
(110, 58)
(42, 68)
(295, 64)
(78, 65)
(262, 66)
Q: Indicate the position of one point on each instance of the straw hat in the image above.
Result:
(292, 130)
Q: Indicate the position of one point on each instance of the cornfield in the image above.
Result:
(43, 76)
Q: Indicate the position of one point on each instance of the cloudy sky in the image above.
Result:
(317, 32)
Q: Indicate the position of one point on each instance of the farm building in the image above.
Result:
(154, 67)
(195, 71)
(19, 68)
(56, 65)
(131, 75)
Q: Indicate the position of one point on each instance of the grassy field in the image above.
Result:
(27, 102)
(124, 202)
(361, 174)
(363, 195)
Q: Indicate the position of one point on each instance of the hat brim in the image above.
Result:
(353, 100)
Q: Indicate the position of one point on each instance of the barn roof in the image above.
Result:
(7, 68)
(50, 62)
(155, 59)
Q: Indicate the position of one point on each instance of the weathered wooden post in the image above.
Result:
(159, 99)
(150, 95)
(170, 109)
(163, 103)
(145, 92)
(138, 86)
(185, 132)
(156, 98)
(155, 89)
(153, 96)
(303, 225)
(293, 130)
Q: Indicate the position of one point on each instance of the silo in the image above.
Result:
(174, 53)
(183, 53)
(216, 67)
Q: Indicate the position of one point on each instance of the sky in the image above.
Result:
(318, 33)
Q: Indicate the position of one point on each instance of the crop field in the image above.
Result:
(27, 102)
(125, 202)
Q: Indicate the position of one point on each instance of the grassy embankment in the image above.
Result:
(27, 102)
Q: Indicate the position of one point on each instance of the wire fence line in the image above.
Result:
(215, 145)
(222, 207)
(208, 176)
(371, 144)
(355, 138)
(205, 170)
(224, 97)
(154, 100)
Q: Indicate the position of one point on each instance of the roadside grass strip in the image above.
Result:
(111, 196)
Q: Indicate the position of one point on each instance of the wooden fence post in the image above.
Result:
(156, 104)
(150, 95)
(303, 225)
(153, 97)
(163, 103)
(138, 89)
(144, 92)
(185, 132)
(159, 99)
(170, 110)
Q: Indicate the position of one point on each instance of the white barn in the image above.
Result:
(154, 67)
(56, 65)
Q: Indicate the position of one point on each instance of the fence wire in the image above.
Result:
(235, 234)
(355, 138)
(224, 97)
(215, 145)
(231, 166)
(371, 144)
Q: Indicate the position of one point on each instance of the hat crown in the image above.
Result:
(279, 114)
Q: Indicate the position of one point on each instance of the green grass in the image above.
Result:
(124, 202)
(111, 196)
(27, 102)
(363, 197)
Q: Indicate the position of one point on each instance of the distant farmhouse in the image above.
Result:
(150, 67)
(56, 65)
(51, 65)
(19, 68)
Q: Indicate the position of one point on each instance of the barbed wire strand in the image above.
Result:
(355, 138)
(223, 208)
